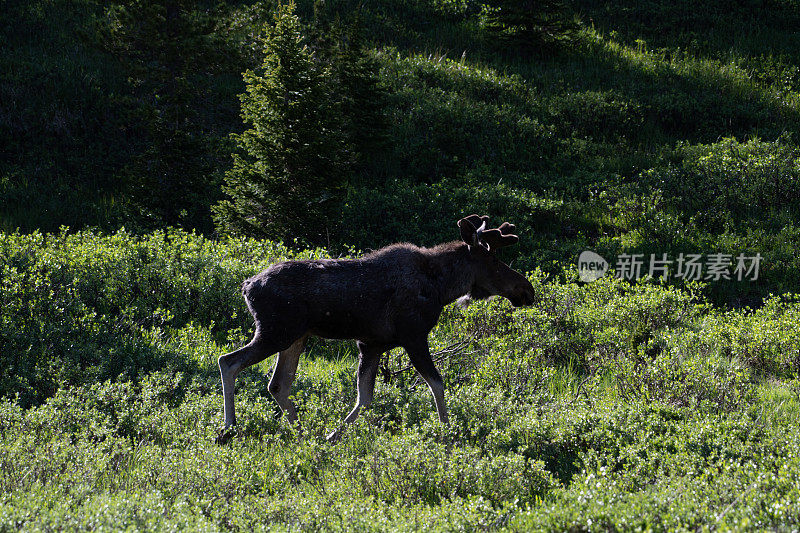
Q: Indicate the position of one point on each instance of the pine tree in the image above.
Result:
(360, 98)
(530, 25)
(165, 47)
(288, 169)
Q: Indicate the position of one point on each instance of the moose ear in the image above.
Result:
(469, 233)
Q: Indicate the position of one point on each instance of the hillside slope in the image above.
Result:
(662, 128)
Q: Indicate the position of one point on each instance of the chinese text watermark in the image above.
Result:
(696, 267)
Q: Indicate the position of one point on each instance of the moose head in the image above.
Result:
(492, 276)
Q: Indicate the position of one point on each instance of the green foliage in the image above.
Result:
(646, 343)
(340, 44)
(418, 98)
(61, 144)
(700, 28)
(81, 307)
(114, 115)
(288, 172)
(589, 409)
(663, 127)
(728, 197)
(731, 184)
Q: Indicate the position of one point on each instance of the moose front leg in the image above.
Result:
(420, 356)
(369, 357)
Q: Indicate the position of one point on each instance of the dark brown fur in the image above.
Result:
(389, 298)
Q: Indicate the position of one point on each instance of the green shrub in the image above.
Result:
(732, 183)
(82, 307)
(409, 470)
(587, 410)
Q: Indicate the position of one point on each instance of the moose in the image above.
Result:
(390, 298)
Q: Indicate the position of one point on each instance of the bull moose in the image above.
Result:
(390, 298)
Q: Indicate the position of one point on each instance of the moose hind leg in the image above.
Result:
(234, 362)
(280, 385)
(420, 356)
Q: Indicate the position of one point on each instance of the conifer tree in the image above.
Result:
(165, 48)
(360, 98)
(288, 168)
(530, 25)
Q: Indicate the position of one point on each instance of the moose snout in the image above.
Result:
(523, 296)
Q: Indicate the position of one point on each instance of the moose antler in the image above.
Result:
(492, 239)
(477, 221)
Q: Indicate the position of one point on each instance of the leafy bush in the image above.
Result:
(591, 407)
(731, 184)
(81, 307)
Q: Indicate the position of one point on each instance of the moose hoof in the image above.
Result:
(225, 435)
(335, 436)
